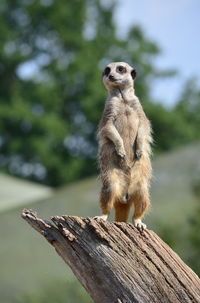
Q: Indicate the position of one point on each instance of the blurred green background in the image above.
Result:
(52, 54)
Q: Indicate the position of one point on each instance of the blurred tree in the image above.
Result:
(194, 238)
(188, 107)
(51, 98)
(50, 53)
(170, 127)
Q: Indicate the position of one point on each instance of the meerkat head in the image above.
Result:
(118, 75)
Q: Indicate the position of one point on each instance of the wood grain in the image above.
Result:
(117, 263)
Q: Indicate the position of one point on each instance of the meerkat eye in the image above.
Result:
(106, 71)
(121, 69)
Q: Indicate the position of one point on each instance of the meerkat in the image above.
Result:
(124, 137)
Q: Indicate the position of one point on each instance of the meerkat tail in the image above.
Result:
(122, 211)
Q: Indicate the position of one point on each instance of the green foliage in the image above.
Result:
(48, 119)
(59, 292)
(169, 127)
(189, 106)
(168, 234)
(194, 237)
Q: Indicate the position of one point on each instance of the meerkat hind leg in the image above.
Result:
(139, 224)
(102, 217)
(141, 203)
(106, 202)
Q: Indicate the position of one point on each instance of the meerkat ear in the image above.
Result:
(133, 73)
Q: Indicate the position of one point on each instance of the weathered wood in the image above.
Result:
(117, 263)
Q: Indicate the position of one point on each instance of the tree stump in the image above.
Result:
(117, 263)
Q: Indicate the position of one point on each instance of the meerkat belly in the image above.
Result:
(127, 125)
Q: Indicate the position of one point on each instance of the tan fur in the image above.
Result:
(124, 147)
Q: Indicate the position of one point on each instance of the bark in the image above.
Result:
(117, 263)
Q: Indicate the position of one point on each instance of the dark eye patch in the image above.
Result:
(133, 73)
(106, 71)
(121, 69)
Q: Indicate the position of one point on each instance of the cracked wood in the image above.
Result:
(117, 263)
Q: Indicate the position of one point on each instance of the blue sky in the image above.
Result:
(175, 26)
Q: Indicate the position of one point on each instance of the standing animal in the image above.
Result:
(124, 137)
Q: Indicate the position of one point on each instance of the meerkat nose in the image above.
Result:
(111, 77)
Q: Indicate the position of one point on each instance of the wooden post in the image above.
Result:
(117, 263)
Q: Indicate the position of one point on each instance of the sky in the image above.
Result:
(175, 26)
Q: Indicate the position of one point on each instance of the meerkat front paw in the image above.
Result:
(121, 152)
(138, 154)
(139, 224)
